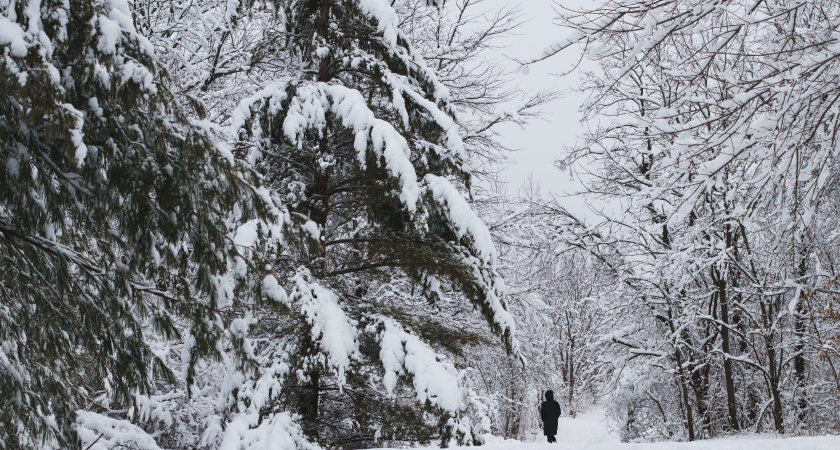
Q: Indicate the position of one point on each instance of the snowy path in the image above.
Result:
(589, 432)
(586, 431)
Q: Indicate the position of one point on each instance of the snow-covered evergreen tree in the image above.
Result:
(363, 141)
(118, 213)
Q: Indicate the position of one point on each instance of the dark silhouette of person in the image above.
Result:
(550, 413)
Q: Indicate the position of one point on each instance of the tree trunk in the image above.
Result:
(700, 383)
(309, 404)
(767, 315)
(571, 377)
(683, 379)
(689, 416)
(799, 348)
(774, 388)
(731, 404)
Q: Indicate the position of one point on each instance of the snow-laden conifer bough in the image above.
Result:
(180, 273)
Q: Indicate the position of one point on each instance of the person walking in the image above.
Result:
(549, 414)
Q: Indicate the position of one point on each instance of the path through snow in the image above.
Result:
(589, 431)
(589, 428)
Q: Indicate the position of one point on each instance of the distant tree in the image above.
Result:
(717, 135)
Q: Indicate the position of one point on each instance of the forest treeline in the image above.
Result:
(233, 224)
(713, 147)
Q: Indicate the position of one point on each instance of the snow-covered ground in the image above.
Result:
(589, 431)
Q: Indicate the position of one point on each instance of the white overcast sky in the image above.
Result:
(541, 142)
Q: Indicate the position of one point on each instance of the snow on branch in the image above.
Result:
(576, 36)
(388, 23)
(308, 110)
(435, 380)
(461, 215)
(332, 329)
(453, 138)
(100, 432)
(278, 432)
(467, 223)
(12, 34)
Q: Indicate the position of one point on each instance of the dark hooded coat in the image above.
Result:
(549, 413)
